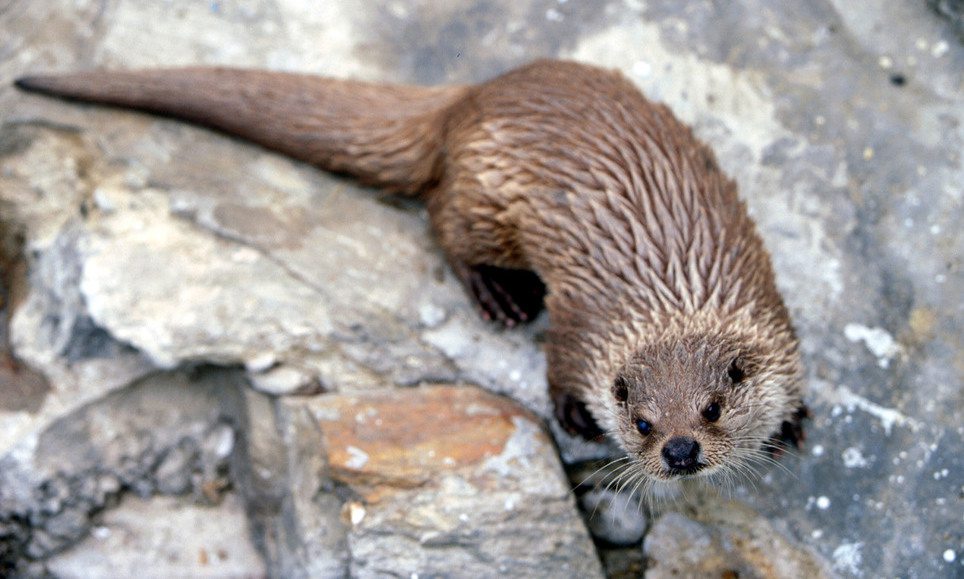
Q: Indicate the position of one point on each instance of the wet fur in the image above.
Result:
(653, 272)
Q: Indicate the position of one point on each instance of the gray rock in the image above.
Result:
(953, 11)
(173, 475)
(151, 244)
(153, 436)
(615, 518)
(282, 473)
(444, 478)
(726, 540)
(165, 536)
(283, 380)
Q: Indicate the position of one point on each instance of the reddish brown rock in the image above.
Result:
(405, 438)
(444, 478)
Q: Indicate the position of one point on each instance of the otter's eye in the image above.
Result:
(621, 389)
(735, 371)
(643, 427)
(712, 412)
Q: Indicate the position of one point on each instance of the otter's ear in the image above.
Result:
(621, 389)
(737, 371)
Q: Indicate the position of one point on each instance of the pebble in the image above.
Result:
(614, 518)
(284, 380)
(431, 315)
(260, 362)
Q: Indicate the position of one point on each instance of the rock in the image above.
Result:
(164, 434)
(612, 509)
(443, 478)
(49, 330)
(953, 11)
(151, 244)
(725, 539)
(283, 380)
(174, 473)
(282, 474)
(614, 518)
(21, 387)
(165, 536)
(261, 362)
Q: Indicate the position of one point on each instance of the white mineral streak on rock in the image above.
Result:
(358, 458)
(847, 558)
(888, 416)
(880, 343)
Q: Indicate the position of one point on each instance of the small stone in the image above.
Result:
(261, 362)
(950, 555)
(218, 443)
(285, 380)
(70, 524)
(613, 517)
(104, 201)
(677, 544)
(174, 473)
(143, 488)
(54, 493)
(431, 315)
(356, 512)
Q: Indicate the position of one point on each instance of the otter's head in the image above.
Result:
(702, 407)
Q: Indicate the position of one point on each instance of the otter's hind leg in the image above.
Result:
(476, 229)
(505, 296)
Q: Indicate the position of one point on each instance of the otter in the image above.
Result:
(557, 184)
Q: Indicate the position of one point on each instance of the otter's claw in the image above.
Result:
(505, 296)
(575, 418)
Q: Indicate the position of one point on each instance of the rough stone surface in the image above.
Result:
(165, 537)
(442, 478)
(152, 245)
(169, 433)
(734, 543)
(615, 518)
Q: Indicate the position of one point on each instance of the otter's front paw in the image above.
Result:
(791, 433)
(573, 415)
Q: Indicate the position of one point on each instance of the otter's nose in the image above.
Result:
(681, 452)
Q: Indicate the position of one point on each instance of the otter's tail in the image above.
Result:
(385, 135)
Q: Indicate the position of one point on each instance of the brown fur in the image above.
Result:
(654, 272)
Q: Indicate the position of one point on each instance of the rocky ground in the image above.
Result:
(230, 364)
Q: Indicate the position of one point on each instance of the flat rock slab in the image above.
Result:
(446, 477)
(165, 537)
